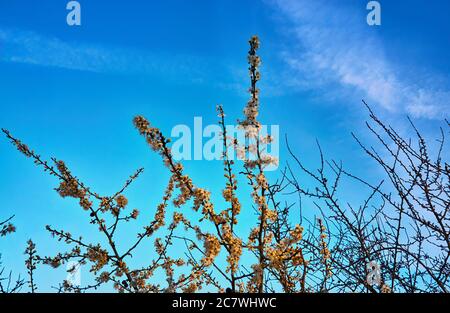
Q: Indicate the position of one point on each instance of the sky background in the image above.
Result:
(71, 92)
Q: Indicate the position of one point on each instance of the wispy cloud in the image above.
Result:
(34, 48)
(333, 49)
(29, 47)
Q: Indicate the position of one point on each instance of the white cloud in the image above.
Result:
(33, 48)
(332, 48)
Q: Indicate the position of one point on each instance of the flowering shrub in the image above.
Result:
(329, 253)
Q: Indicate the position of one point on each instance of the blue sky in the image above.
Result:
(71, 92)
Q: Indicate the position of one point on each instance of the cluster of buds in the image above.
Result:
(7, 229)
(251, 110)
(71, 187)
(324, 251)
(212, 249)
(98, 256)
